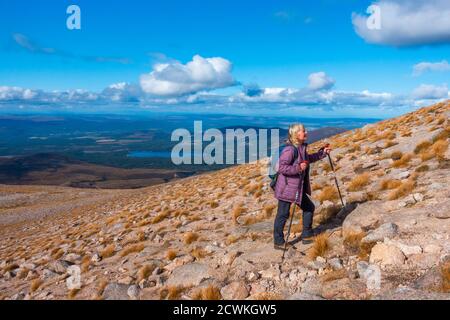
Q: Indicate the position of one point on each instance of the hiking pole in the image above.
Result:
(289, 228)
(335, 179)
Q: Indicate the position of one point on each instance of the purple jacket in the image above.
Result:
(290, 180)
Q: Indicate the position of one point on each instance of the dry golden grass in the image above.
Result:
(439, 147)
(171, 293)
(320, 246)
(237, 212)
(328, 193)
(72, 293)
(396, 155)
(388, 184)
(422, 168)
(213, 204)
(35, 284)
(334, 275)
(427, 155)
(85, 263)
(403, 161)
(144, 272)
(390, 143)
(108, 251)
(359, 181)
(268, 210)
(171, 254)
(445, 273)
(207, 293)
(57, 253)
(132, 249)
(231, 239)
(190, 237)
(267, 296)
(404, 189)
(422, 146)
(353, 240)
(160, 217)
(100, 287)
(198, 253)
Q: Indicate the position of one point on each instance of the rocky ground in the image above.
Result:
(210, 236)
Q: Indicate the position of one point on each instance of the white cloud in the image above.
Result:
(176, 79)
(429, 91)
(422, 67)
(320, 81)
(16, 93)
(407, 23)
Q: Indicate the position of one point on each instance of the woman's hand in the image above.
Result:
(303, 165)
(327, 149)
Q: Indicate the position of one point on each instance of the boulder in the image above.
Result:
(365, 217)
(116, 291)
(386, 230)
(191, 274)
(386, 255)
(235, 291)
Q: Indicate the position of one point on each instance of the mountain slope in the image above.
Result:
(210, 236)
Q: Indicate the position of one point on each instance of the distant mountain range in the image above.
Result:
(58, 169)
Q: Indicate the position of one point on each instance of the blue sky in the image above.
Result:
(268, 44)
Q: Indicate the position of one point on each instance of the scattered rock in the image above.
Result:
(304, 296)
(235, 291)
(335, 263)
(386, 230)
(116, 291)
(133, 292)
(191, 274)
(386, 255)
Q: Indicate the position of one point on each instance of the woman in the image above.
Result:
(293, 183)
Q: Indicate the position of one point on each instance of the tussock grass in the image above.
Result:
(445, 273)
(108, 251)
(35, 284)
(320, 246)
(190, 237)
(334, 275)
(213, 204)
(404, 189)
(171, 293)
(359, 181)
(403, 161)
(422, 146)
(144, 272)
(422, 168)
(328, 193)
(198, 253)
(388, 184)
(439, 147)
(132, 249)
(72, 293)
(352, 241)
(268, 210)
(237, 212)
(396, 155)
(207, 293)
(231, 239)
(171, 254)
(160, 217)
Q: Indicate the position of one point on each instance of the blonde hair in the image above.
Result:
(293, 130)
